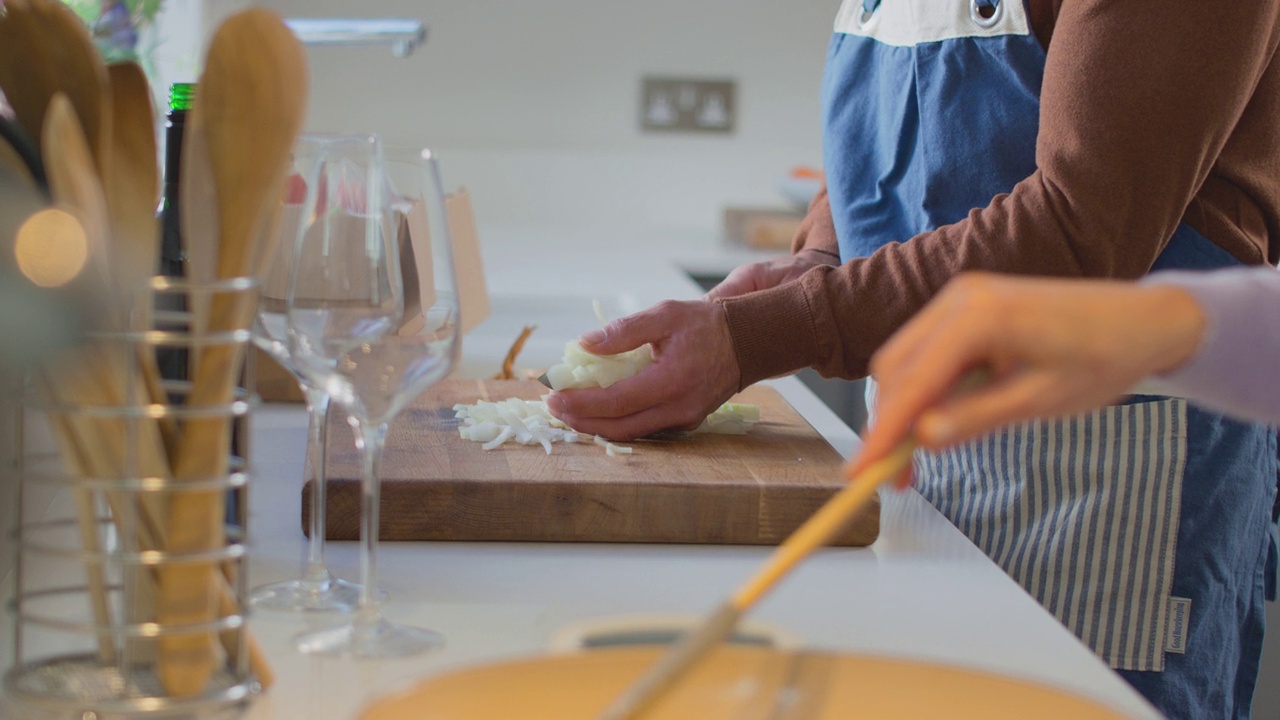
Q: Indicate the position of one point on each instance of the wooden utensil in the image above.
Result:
(131, 178)
(252, 97)
(73, 179)
(74, 184)
(132, 175)
(46, 49)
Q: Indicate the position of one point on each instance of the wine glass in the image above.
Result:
(318, 590)
(351, 340)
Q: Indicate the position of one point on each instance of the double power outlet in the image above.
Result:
(694, 105)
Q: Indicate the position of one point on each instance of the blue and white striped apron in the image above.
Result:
(1144, 527)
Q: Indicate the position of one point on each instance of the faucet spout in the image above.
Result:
(402, 35)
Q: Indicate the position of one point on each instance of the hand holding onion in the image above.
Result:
(693, 371)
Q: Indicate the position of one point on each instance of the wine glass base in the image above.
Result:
(379, 639)
(304, 596)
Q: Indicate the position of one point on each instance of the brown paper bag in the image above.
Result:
(473, 291)
(275, 384)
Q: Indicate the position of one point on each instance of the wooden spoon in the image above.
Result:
(46, 49)
(132, 183)
(252, 96)
(75, 185)
(73, 180)
(132, 176)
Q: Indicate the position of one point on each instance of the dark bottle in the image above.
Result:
(173, 361)
(181, 95)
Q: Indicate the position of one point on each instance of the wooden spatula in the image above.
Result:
(132, 175)
(131, 178)
(252, 96)
(75, 186)
(73, 179)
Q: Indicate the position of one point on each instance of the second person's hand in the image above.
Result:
(1054, 348)
(694, 371)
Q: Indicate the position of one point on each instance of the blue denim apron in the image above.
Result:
(1144, 527)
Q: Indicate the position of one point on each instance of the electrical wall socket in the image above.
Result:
(697, 105)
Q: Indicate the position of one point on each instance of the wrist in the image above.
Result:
(1180, 320)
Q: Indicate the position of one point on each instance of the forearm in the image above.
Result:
(1130, 127)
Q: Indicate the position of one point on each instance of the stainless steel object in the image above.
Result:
(90, 544)
(403, 35)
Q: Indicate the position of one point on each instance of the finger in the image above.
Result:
(629, 427)
(653, 386)
(921, 382)
(1021, 396)
(740, 281)
(632, 331)
(909, 340)
(904, 479)
(878, 442)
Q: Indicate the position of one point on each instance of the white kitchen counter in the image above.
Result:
(921, 591)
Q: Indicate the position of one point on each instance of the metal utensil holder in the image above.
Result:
(89, 639)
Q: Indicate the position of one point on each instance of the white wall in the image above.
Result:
(533, 104)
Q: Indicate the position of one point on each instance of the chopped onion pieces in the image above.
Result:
(731, 419)
(528, 422)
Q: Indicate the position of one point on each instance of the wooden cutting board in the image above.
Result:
(752, 489)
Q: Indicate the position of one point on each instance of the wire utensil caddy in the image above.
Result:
(130, 584)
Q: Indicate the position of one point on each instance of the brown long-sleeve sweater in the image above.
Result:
(1151, 114)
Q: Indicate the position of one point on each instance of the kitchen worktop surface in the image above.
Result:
(921, 591)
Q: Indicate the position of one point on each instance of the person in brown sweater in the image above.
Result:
(1053, 138)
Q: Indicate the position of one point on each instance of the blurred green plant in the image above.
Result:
(117, 27)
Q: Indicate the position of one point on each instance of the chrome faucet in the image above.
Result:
(402, 34)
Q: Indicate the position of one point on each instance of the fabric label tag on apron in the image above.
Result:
(1175, 640)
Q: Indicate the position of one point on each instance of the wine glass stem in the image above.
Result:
(371, 438)
(318, 408)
